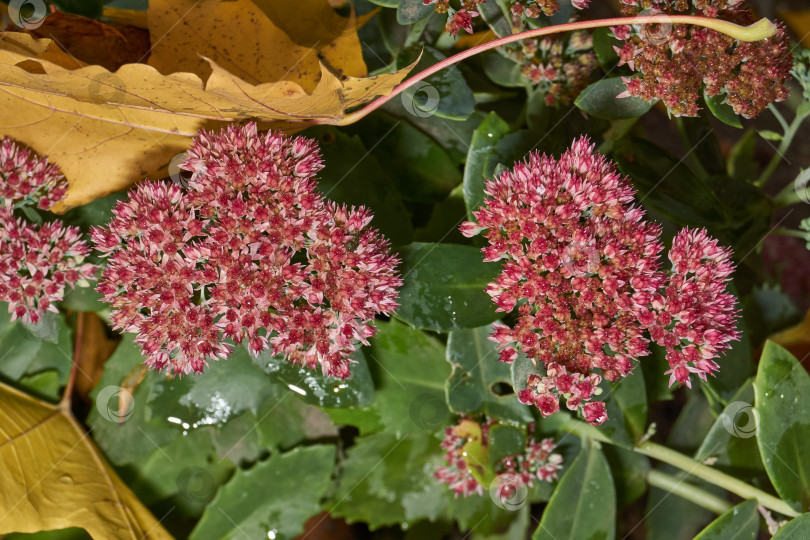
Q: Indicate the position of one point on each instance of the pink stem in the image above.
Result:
(540, 32)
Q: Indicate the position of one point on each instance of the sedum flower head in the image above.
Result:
(677, 62)
(582, 274)
(28, 179)
(696, 316)
(251, 252)
(537, 462)
(36, 263)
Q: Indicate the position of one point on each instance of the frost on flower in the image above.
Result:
(537, 462)
(251, 252)
(37, 262)
(675, 63)
(582, 272)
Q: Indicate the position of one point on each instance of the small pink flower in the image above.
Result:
(251, 253)
(28, 179)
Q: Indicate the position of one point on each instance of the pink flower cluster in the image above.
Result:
(26, 179)
(251, 252)
(695, 316)
(582, 272)
(676, 62)
(537, 461)
(559, 67)
(36, 262)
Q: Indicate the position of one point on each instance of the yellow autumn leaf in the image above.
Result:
(315, 24)
(109, 130)
(53, 476)
(237, 35)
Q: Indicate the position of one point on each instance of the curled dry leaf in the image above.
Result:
(108, 130)
(110, 45)
(53, 477)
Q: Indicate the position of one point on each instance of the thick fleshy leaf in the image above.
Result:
(25, 354)
(783, 427)
(119, 415)
(227, 388)
(739, 523)
(385, 481)
(444, 287)
(603, 43)
(722, 110)
(483, 143)
(584, 503)
(480, 383)
(421, 169)
(186, 471)
(503, 71)
(731, 441)
(273, 499)
(411, 11)
(318, 389)
(444, 94)
(505, 440)
(796, 529)
(53, 476)
(408, 368)
(599, 99)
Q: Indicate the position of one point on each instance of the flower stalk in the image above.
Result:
(685, 490)
(761, 29)
(787, 196)
(692, 467)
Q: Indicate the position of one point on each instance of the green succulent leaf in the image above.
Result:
(783, 427)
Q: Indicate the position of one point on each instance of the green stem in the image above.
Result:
(689, 465)
(687, 491)
(787, 139)
(791, 232)
(759, 30)
(778, 116)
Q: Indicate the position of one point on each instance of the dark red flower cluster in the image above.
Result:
(676, 62)
(536, 462)
(26, 179)
(251, 252)
(582, 271)
(36, 262)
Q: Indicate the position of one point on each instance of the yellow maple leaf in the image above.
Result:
(107, 130)
(53, 476)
